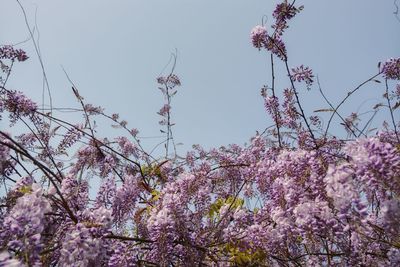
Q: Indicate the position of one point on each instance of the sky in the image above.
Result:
(114, 51)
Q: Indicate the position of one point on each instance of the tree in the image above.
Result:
(296, 195)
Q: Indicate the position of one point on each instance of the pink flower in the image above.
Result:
(302, 73)
(391, 69)
(8, 52)
(258, 36)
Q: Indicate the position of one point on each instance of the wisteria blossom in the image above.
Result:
(259, 36)
(295, 195)
(391, 69)
(303, 74)
(8, 52)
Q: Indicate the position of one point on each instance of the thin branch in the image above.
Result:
(344, 99)
(298, 102)
(391, 111)
(335, 110)
(277, 122)
(37, 49)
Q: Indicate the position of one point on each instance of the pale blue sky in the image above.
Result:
(114, 50)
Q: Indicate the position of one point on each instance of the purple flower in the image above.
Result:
(301, 74)
(390, 216)
(82, 243)
(134, 132)
(5, 163)
(164, 110)
(106, 193)
(99, 217)
(24, 224)
(126, 146)
(282, 13)
(162, 230)
(124, 200)
(8, 52)
(170, 81)
(258, 36)
(285, 11)
(290, 113)
(391, 69)
(276, 46)
(7, 260)
(124, 255)
(394, 257)
(340, 186)
(377, 164)
(18, 105)
(76, 192)
(79, 247)
(93, 110)
(271, 104)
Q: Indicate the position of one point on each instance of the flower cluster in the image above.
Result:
(282, 14)
(168, 86)
(162, 230)
(8, 52)
(273, 42)
(261, 39)
(22, 228)
(302, 73)
(80, 248)
(7, 260)
(171, 80)
(75, 192)
(92, 110)
(127, 147)
(17, 104)
(391, 69)
(124, 198)
(285, 11)
(124, 255)
(164, 110)
(259, 36)
(5, 162)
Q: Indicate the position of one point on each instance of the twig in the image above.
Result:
(344, 99)
(391, 111)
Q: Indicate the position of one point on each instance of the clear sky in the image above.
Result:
(114, 51)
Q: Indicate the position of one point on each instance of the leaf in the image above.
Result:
(325, 110)
(76, 93)
(396, 105)
(377, 81)
(215, 207)
(155, 195)
(54, 130)
(25, 189)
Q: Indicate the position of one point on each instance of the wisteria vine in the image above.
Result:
(295, 196)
